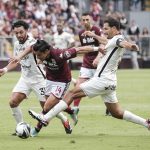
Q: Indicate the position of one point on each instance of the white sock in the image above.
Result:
(16, 112)
(62, 117)
(62, 105)
(134, 118)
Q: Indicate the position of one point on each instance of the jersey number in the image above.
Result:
(42, 91)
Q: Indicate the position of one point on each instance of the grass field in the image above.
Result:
(94, 131)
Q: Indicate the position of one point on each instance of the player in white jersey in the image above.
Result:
(104, 81)
(32, 76)
(63, 39)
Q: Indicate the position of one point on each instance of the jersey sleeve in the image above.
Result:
(32, 42)
(68, 54)
(115, 41)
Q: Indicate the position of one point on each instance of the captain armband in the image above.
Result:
(118, 42)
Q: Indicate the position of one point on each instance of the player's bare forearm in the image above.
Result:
(18, 58)
(11, 65)
(97, 59)
(24, 53)
(129, 45)
(86, 49)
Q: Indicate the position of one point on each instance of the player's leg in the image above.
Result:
(39, 91)
(117, 112)
(15, 100)
(79, 81)
(19, 93)
(54, 91)
(77, 92)
(62, 105)
(85, 74)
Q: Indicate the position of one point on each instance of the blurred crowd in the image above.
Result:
(42, 16)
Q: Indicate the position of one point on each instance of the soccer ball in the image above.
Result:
(23, 130)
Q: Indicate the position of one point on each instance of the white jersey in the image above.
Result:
(63, 40)
(108, 65)
(29, 70)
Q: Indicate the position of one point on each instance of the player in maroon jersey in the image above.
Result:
(90, 59)
(58, 73)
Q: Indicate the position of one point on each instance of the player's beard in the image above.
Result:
(22, 39)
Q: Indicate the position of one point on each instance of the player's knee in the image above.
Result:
(13, 103)
(46, 109)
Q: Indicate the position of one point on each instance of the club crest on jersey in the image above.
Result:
(67, 54)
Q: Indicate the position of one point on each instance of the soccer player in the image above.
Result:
(104, 81)
(32, 76)
(63, 39)
(90, 59)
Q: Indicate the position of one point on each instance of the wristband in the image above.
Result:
(5, 70)
(95, 48)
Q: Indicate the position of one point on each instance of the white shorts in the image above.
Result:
(86, 72)
(26, 88)
(98, 86)
(58, 89)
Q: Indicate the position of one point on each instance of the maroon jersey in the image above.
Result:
(86, 40)
(57, 68)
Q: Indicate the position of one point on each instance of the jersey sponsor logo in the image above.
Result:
(24, 67)
(110, 87)
(25, 57)
(51, 65)
(88, 40)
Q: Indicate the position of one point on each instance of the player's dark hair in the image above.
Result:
(113, 22)
(41, 46)
(86, 14)
(20, 23)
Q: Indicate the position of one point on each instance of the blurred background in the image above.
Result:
(42, 16)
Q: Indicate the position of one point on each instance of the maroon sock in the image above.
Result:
(77, 102)
(69, 110)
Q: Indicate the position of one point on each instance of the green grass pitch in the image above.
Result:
(94, 131)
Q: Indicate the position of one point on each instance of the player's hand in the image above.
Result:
(2, 72)
(88, 33)
(95, 62)
(102, 50)
(135, 47)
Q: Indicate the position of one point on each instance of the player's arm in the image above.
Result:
(67, 54)
(87, 49)
(99, 56)
(101, 39)
(127, 45)
(15, 61)
(9, 67)
(18, 58)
